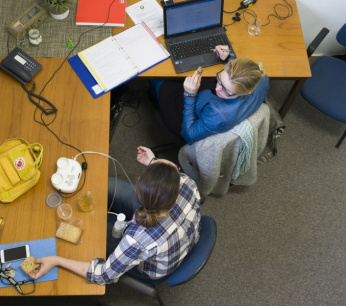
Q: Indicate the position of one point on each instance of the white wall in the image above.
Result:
(316, 14)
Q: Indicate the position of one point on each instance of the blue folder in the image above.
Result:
(38, 249)
(84, 75)
(87, 78)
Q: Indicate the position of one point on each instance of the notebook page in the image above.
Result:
(142, 46)
(108, 64)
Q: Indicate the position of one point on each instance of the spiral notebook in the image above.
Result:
(119, 58)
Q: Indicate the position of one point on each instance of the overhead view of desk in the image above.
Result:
(82, 122)
(280, 46)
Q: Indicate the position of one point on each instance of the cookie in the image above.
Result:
(29, 265)
(200, 70)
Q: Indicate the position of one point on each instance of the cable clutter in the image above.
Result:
(246, 12)
(24, 77)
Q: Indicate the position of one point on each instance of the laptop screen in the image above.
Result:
(192, 16)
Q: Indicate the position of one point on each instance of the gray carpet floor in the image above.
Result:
(281, 241)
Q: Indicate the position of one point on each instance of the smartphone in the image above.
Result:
(16, 253)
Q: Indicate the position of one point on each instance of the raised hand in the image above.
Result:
(144, 155)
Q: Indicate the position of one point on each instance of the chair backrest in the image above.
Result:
(316, 42)
(210, 162)
(341, 35)
(198, 256)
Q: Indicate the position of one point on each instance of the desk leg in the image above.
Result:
(291, 96)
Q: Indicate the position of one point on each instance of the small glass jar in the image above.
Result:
(35, 37)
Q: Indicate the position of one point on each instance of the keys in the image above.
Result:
(9, 271)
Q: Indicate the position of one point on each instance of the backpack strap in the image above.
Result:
(276, 128)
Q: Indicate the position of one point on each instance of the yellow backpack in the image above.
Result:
(19, 163)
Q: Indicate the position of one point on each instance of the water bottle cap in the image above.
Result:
(121, 217)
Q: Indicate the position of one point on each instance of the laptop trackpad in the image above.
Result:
(196, 61)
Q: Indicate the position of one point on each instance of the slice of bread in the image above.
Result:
(29, 265)
(69, 232)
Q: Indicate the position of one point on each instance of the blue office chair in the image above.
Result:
(326, 89)
(188, 269)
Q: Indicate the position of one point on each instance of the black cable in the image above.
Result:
(249, 12)
(276, 13)
(69, 145)
(68, 55)
(238, 9)
(56, 71)
(226, 25)
(55, 114)
(79, 189)
(8, 43)
(135, 97)
(31, 95)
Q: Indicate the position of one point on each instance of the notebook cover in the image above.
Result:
(92, 12)
(38, 248)
(89, 81)
(84, 75)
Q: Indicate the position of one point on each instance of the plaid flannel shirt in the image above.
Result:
(155, 251)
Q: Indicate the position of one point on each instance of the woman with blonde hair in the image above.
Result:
(197, 108)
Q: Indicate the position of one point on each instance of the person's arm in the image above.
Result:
(98, 271)
(193, 128)
(144, 155)
(49, 262)
(127, 255)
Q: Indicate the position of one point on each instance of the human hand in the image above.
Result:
(144, 155)
(46, 264)
(222, 54)
(192, 84)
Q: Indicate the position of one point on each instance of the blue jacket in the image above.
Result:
(209, 114)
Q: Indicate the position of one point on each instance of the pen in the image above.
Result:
(224, 50)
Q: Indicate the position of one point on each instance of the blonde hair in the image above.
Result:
(244, 74)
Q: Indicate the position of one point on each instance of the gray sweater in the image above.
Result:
(210, 162)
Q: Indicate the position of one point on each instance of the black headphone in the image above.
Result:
(236, 17)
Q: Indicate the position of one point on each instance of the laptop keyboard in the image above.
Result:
(197, 46)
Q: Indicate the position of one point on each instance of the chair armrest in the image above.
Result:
(316, 42)
(132, 282)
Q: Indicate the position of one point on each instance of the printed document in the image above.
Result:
(150, 12)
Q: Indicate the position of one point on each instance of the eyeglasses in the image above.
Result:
(225, 90)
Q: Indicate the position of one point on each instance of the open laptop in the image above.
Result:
(194, 21)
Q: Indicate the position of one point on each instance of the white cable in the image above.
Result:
(115, 169)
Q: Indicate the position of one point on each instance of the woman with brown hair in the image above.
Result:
(165, 206)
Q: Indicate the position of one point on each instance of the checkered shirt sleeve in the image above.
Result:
(155, 251)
